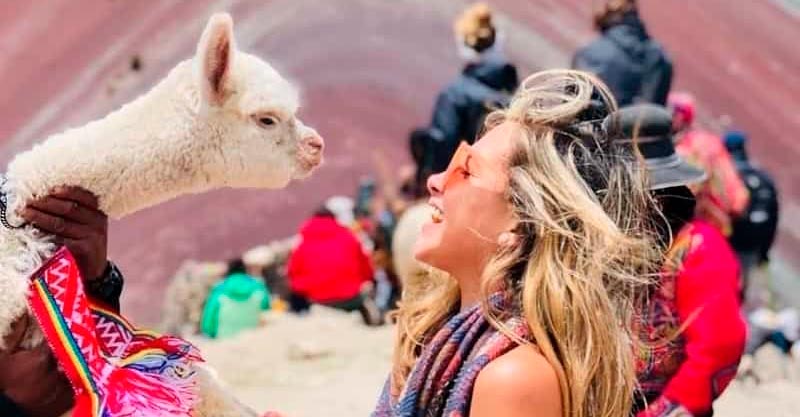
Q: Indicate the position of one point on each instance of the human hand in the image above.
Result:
(71, 214)
(11, 343)
(30, 378)
(662, 407)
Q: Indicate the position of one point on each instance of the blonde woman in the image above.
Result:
(541, 229)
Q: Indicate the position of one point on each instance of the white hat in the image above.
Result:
(342, 208)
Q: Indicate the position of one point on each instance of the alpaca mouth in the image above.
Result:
(309, 155)
(306, 164)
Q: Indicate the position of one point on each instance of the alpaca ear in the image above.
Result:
(214, 59)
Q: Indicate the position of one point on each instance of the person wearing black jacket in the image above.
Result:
(485, 83)
(633, 65)
(30, 382)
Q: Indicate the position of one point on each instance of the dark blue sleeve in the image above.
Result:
(510, 79)
(447, 123)
(446, 117)
(655, 87)
(587, 59)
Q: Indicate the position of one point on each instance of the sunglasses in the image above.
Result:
(467, 163)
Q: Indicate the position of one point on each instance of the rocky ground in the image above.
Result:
(329, 364)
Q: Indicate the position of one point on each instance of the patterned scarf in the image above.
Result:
(441, 382)
(115, 370)
(659, 327)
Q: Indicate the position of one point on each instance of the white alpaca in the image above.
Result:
(221, 119)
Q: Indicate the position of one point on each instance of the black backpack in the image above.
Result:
(755, 229)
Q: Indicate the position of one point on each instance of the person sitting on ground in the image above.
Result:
(235, 303)
(331, 268)
(634, 66)
(485, 83)
(691, 325)
(754, 231)
(31, 384)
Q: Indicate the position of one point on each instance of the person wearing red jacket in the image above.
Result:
(691, 326)
(697, 300)
(330, 267)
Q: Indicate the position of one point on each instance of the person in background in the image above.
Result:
(723, 196)
(330, 267)
(754, 231)
(635, 67)
(485, 83)
(235, 303)
(31, 384)
(692, 331)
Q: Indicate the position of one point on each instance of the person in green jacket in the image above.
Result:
(235, 303)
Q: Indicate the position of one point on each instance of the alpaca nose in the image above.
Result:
(314, 143)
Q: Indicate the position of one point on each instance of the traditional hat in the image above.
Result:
(649, 126)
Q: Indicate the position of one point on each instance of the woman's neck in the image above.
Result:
(469, 284)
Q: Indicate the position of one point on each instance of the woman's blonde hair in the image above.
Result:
(585, 246)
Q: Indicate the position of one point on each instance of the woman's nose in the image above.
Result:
(436, 183)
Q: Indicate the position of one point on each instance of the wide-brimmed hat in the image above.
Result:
(650, 127)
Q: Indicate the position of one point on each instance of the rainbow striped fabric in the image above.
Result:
(115, 369)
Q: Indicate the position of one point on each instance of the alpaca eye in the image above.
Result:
(267, 121)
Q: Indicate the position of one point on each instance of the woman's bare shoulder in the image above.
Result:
(515, 384)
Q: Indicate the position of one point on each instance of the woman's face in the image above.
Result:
(469, 204)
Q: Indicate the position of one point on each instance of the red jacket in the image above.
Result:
(329, 264)
(706, 304)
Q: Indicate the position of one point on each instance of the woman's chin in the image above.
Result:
(421, 251)
(425, 250)
(428, 242)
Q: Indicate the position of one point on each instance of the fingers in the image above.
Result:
(18, 330)
(76, 194)
(55, 225)
(71, 211)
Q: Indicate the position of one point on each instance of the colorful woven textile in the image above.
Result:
(114, 369)
(442, 380)
(658, 326)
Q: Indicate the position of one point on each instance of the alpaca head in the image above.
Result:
(251, 112)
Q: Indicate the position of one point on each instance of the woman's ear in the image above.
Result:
(508, 239)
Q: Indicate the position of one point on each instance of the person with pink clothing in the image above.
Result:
(723, 196)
